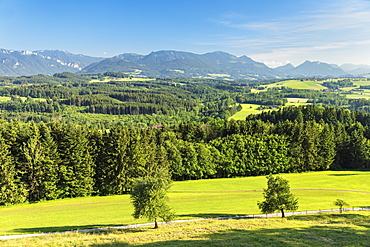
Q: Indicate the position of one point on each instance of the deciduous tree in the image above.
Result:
(149, 197)
(277, 196)
(340, 203)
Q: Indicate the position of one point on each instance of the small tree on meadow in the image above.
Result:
(277, 196)
(340, 203)
(149, 198)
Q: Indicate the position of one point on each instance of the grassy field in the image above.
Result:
(364, 94)
(347, 229)
(359, 83)
(6, 98)
(190, 199)
(248, 109)
(297, 84)
(219, 75)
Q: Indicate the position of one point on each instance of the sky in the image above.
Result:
(268, 31)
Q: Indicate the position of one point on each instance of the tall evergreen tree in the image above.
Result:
(76, 170)
(12, 191)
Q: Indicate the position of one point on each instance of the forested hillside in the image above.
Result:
(48, 161)
(68, 135)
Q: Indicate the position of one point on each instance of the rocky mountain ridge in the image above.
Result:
(166, 63)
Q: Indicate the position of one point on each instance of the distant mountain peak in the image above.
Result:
(169, 63)
(25, 62)
(165, 63)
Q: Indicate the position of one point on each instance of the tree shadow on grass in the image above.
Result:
(62, 228)
(341, 216)
(336, 232)
(342, 175)
(310, 236)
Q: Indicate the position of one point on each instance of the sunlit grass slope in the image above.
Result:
(248, 109)
(190, 199)
(298, 84)
(347, 229)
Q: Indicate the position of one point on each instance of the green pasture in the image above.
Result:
(248, 109)
(190, 199)
(345, 180)
(347, 229)
(219, 75)
(359, 83)
(6, 98)
(296, 101)
(364, 94)
(298, 84)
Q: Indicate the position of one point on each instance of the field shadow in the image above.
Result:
(59, 228)
(342, 175)
(322, 235)
(332, 218)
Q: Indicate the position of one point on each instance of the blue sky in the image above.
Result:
(270, 31)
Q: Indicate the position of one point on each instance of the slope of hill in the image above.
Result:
(16, 63)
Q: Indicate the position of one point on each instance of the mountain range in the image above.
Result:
(220, 65)
(17, 63)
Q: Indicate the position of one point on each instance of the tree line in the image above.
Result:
(47, 161)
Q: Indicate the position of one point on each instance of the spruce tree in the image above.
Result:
(76, 169)
(12, 191)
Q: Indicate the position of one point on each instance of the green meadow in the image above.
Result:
(6, 98)
(190, 199)
(248, 109)
(347, 229)
(298, 84)
(363, 94)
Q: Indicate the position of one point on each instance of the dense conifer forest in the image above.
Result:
(52, 148)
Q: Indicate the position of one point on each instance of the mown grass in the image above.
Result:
(190, 199)
(219, 75)
(361, 83)
(345, 180)
(248, 109)
(365, 94)
(6, 98)
(298, 84)
(347, 229)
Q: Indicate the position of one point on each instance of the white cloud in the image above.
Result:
(329, 32)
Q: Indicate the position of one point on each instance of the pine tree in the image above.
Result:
(76, 170)
(12, 191)
(326, 148)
